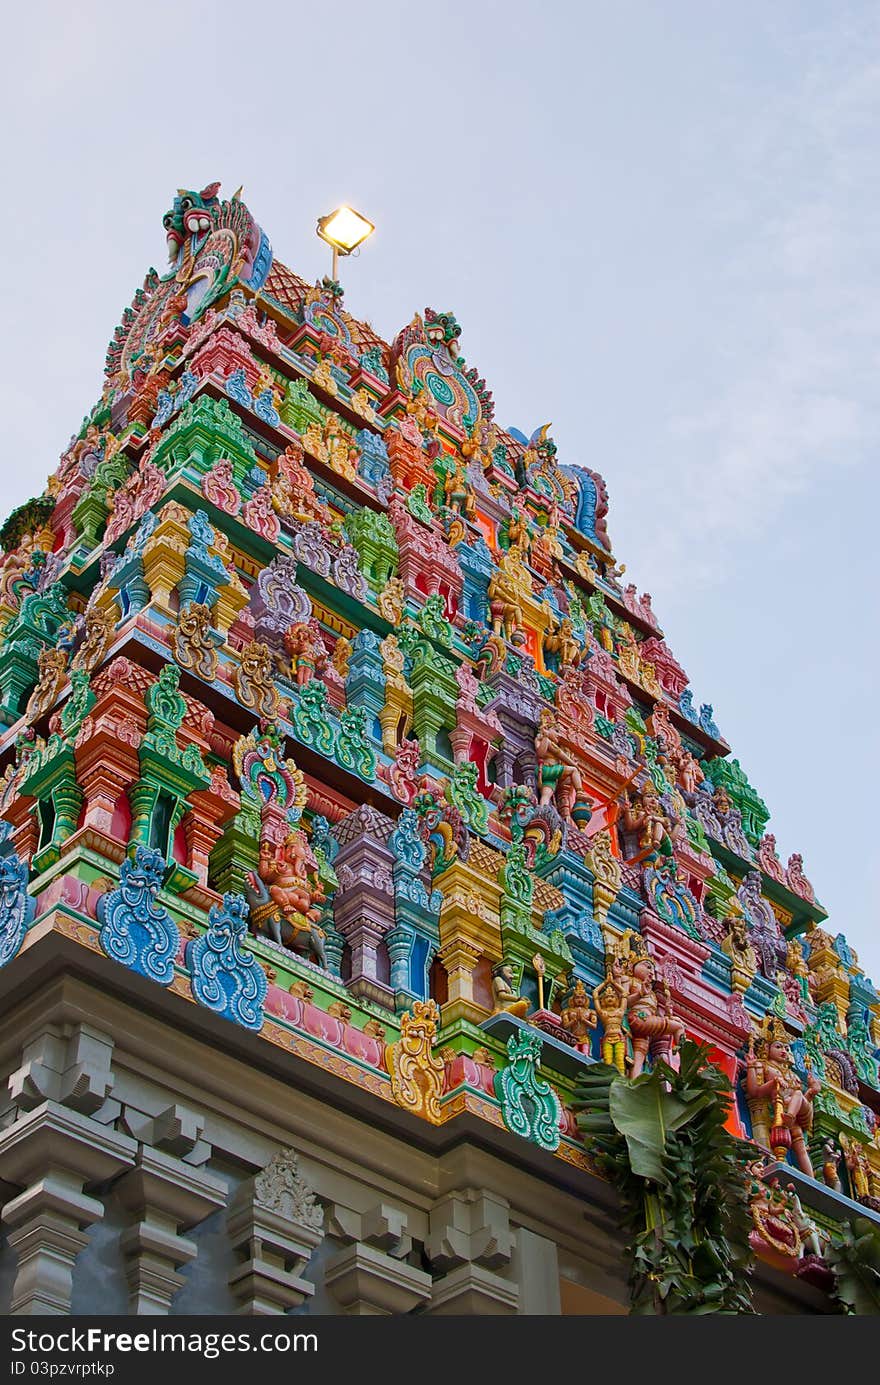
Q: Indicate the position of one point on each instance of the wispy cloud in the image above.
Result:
(789, 383)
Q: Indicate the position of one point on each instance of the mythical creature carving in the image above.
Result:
(417, 1073)
(529, 1106)
(224, 976)
(253, 679)
(195, 641)
(135, 930)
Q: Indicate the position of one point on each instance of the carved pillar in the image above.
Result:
(370, 1276)
(363, 906)
(210, 810)
(54, 1152)
(274, 1225)
(106, 758)
(166, 1196)
(469, 1242)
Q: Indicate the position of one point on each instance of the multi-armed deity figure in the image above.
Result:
(654, 1027)
(780, 1107)
(285, 895)
(647, 817)
(559, 777)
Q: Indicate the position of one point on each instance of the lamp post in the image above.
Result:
(343, 230)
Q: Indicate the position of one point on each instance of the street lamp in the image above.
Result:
(344, 230)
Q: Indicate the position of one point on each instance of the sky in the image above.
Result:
(659, 226)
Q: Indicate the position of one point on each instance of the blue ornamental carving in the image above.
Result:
(373, 462)
(135, 930)
(237, 388)
(264, 408)
(687, 708)
(707, 721)
(529, 1105)
(670, 898)
(17, 908)
(225, 977)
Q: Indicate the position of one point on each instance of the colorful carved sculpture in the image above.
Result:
(780, 1106)
(831, 1166)
(416, 1072)
(17, 907)
(529, 1105)
(253, 679)
(224, 976)
(194, 646)
(559, 778)
(611, 998)
(285, 894)
(653, 1025)
(505, 1000)
(307, 653)
(135, 930)
(578, 1017)
(647, 817)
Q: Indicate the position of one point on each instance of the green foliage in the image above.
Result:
(27, 519)
(854, 1256)
(661, 1138)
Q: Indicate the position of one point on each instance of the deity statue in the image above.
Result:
(457, 491)
(653, 1025)
(339, 446)
(610, 998)
(648, 818)
(797, 965)
(293, 490)
(517, 531)
(559, 778)
(561, 641)
(743, 958)
(811, 1236)
(831, 1166)
(504, 605)
(307, 654)
(780, 1107)
(773, 1219)
(578, 1017)
(857, 1166)
(285, 895)
(342, 652)
(690, 774)
(505, 1000)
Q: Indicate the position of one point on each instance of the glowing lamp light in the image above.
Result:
(344, 230)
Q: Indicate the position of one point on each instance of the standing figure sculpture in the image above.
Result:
(558, 775)
(831, 1166)
(578, 1017)
(654, 1027)
(780, 1107)
(307, 656)
(610, 998)
(857, 1166)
